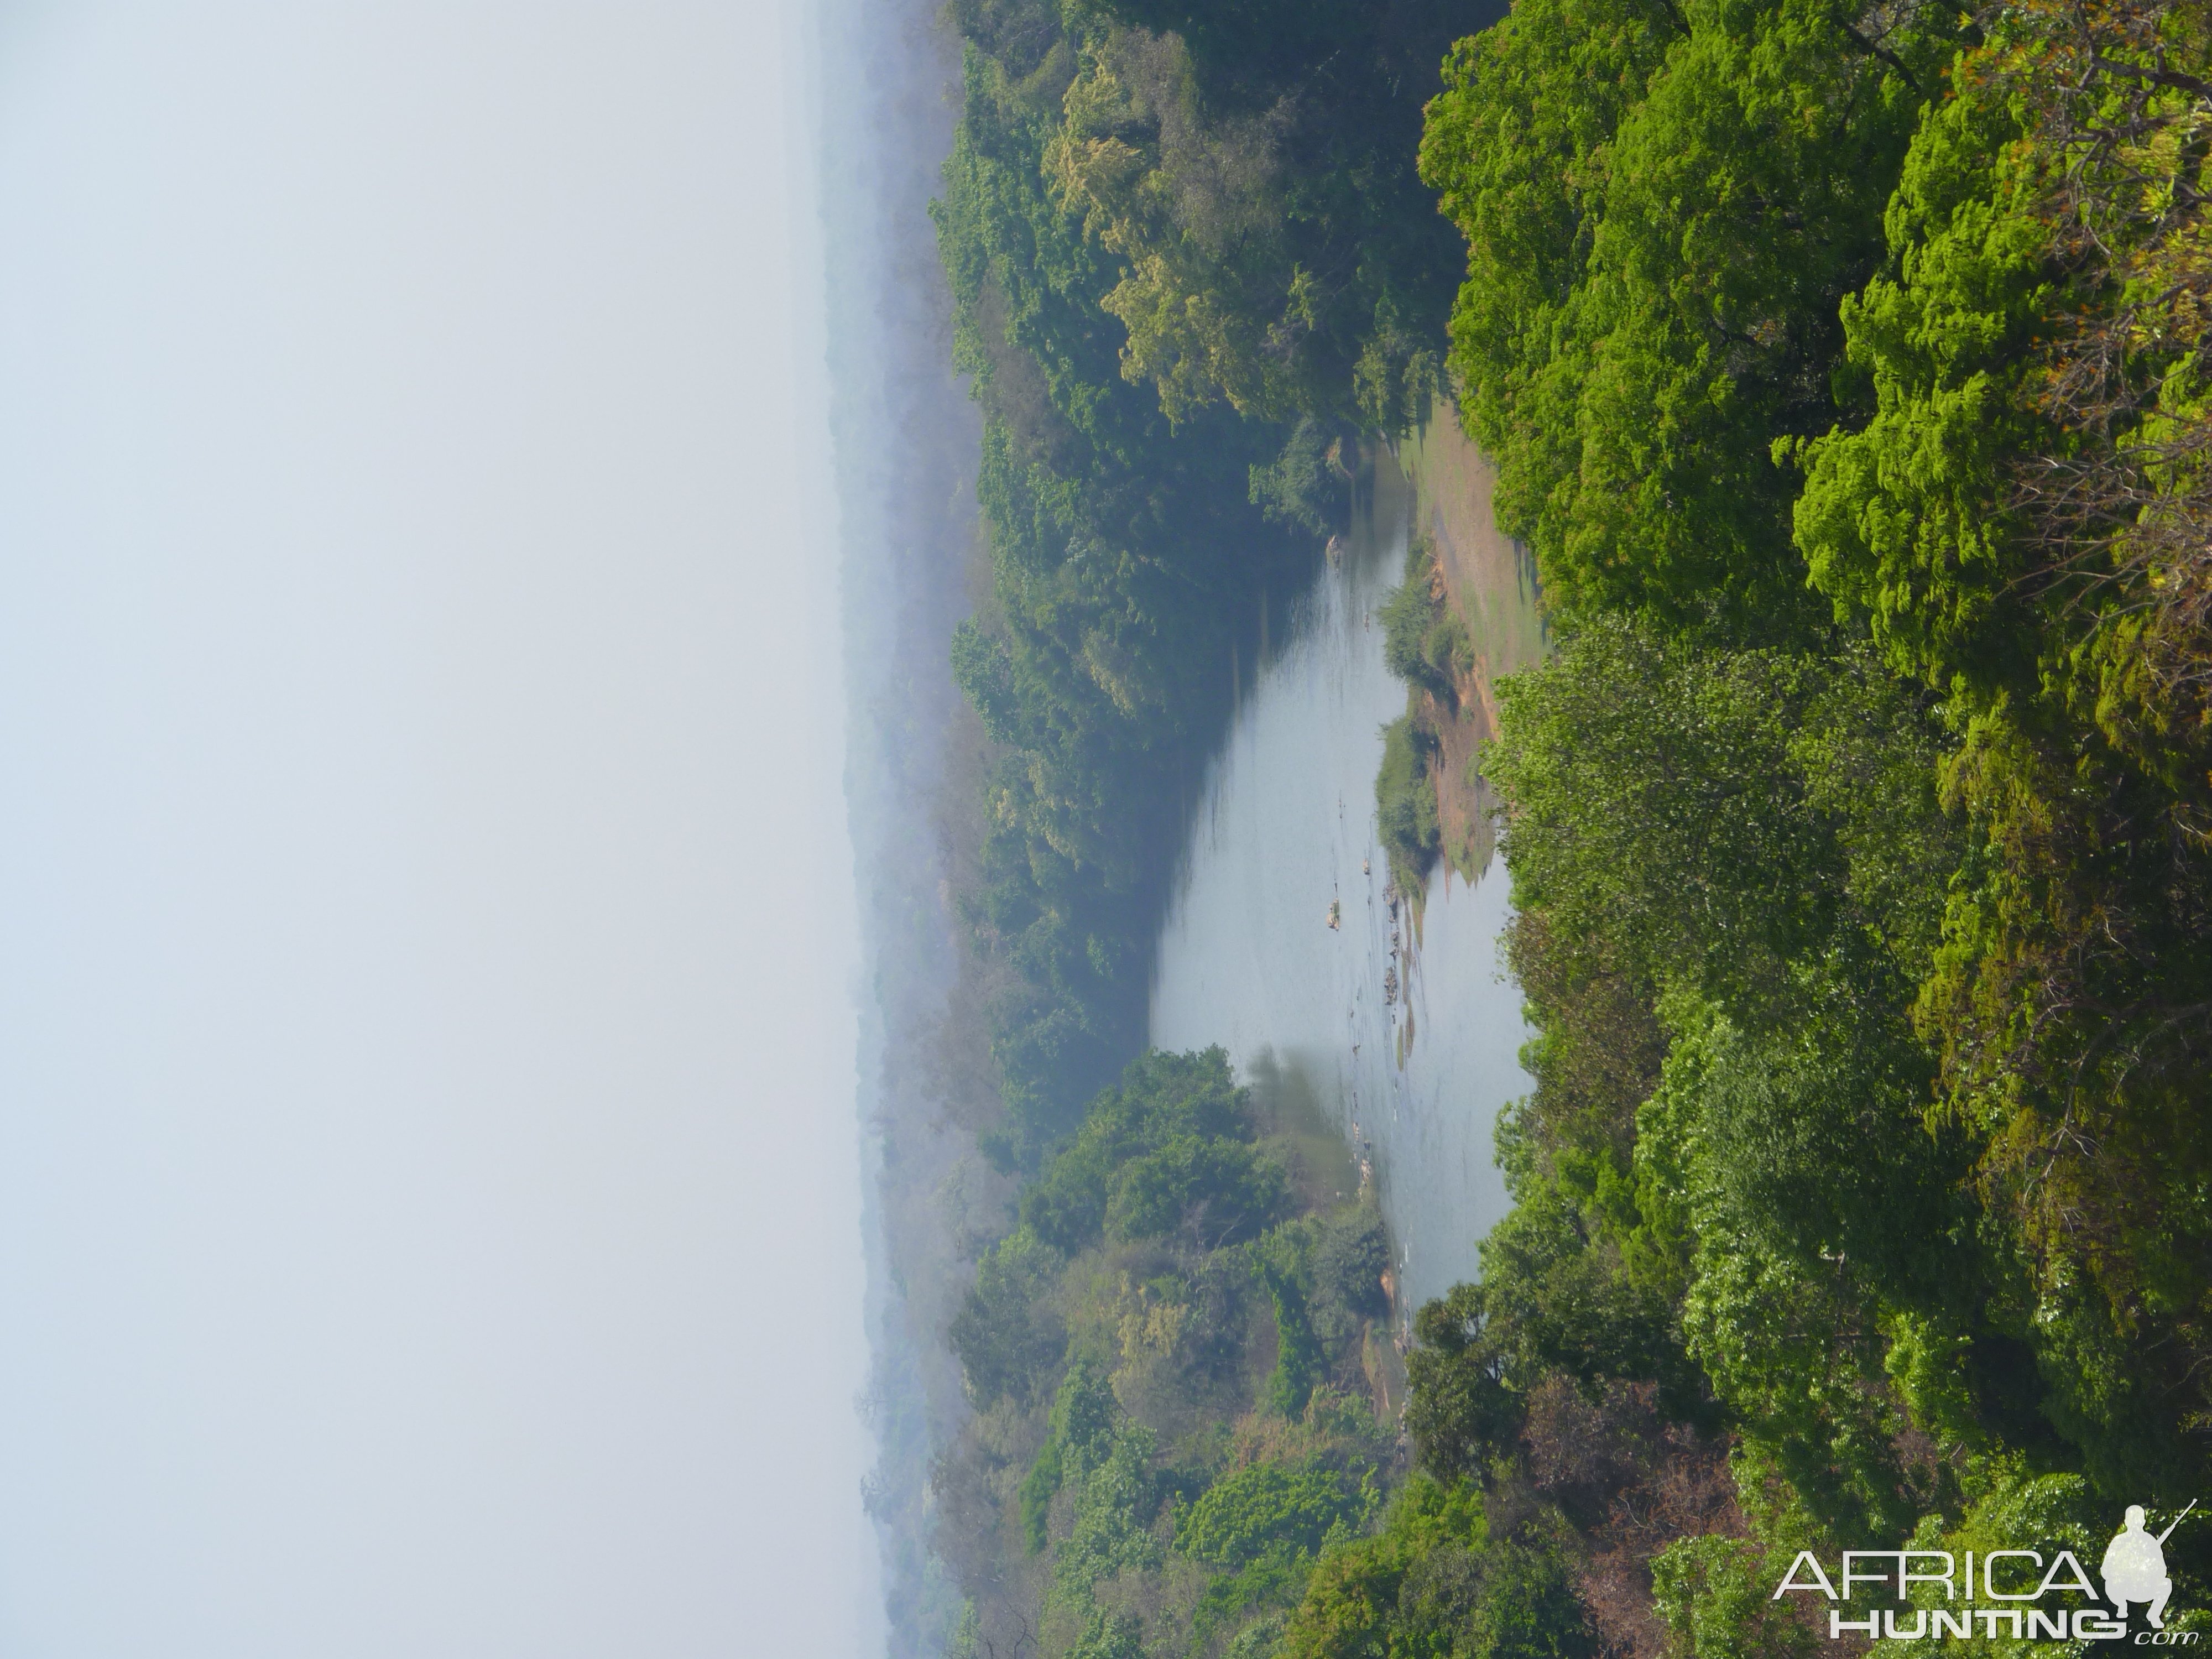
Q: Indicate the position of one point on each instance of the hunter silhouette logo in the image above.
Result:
(2015, 1594)
(2135, 1567)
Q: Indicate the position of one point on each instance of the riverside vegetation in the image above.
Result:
(1191, 262)
(1843, 370)
(1188, 267)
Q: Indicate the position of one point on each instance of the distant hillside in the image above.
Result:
(906, 436)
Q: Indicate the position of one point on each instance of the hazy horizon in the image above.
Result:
(429, 1170)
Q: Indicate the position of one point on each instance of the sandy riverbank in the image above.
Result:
(1489, 582)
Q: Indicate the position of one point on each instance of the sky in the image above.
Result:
(429, 1178)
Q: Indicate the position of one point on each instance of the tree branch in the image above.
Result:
(1875, 48)
(2160, 78)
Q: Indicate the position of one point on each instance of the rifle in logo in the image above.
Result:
(2135, 1567)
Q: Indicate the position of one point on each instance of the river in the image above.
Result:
(1284, 824)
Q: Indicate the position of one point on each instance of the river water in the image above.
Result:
(1285, 823)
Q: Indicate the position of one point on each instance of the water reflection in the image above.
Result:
(1285, 829)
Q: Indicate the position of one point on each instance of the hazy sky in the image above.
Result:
(428, 1199)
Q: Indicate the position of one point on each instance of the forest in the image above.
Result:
(1843, 370)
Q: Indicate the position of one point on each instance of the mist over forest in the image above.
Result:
(906, 434)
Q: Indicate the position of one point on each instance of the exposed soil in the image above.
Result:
(1489, 582)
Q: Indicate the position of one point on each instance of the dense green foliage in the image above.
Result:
(1250, 166)
(1842, 372)
(1167, 1151)
(1664, 206)
(1432, 1583)
(1173, 1372)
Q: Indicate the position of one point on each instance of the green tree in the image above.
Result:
(1664, 206)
